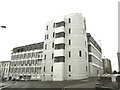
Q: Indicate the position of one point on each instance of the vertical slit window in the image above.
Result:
(69, 54)
(44, 69)
(52, 45)
(69, 42)
(80, 53)
(69, 68)
(53, 34)
(45, 57)
(45, 46)
(53, 24)
(69, 20)
(51, 68)
(47, 27)
(69, 30)
(52, 55)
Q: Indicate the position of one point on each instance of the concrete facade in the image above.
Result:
(65, 49)
(95, 57)
(64, 54)
(26, 62)
(107, 66)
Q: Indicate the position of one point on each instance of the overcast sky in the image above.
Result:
(26, 22)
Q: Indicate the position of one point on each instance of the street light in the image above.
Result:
(3, 26)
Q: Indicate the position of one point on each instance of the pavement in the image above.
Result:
(6, 84)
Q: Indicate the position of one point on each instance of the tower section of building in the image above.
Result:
(76, 59)
(48, 52)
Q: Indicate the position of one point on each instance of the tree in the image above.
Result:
(114, 72)
(119, 72)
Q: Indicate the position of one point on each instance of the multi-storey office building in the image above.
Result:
(107, 66)
(65, 54)
(4, 69)
(94, 56)
(26, 61)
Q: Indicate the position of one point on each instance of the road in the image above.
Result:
(54, 84)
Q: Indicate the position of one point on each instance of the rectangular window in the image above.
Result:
(61, 34)
(69, 42)
(59, 24)
(47, 27)
(80, 53)
(69, 30)
(69, 54)
(53, 34)
(51, 68)
(69, 68)
(59, 59)
(60, 46)
(69, 20)
(52, 45)
(45, 57)
(52, 55)
(44, 69)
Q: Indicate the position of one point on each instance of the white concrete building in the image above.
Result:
(94, 57)
(65, 53)
(26, 62)
(62, 56)
(4, 69)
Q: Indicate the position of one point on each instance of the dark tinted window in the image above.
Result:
(59, 59)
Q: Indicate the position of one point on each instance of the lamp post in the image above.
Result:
(3, 26)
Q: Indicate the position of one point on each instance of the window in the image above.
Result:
(86, 68)
(59, 24)
(52, 55)
(60, 46)
(45, 57)
(69, 20)
(89, 48)
(85, 55)
(53, 24)
(53, 34)
(61, 34)
(45, 46)
(80, 53)
(47, 27)
(69, 30)
(59, 59)
(69, 42)
(69, 54)
(52, 45)
(44, 69)
(85, 43)
(89, 58)
(69, 68)
(47, 36)
(51, 68)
